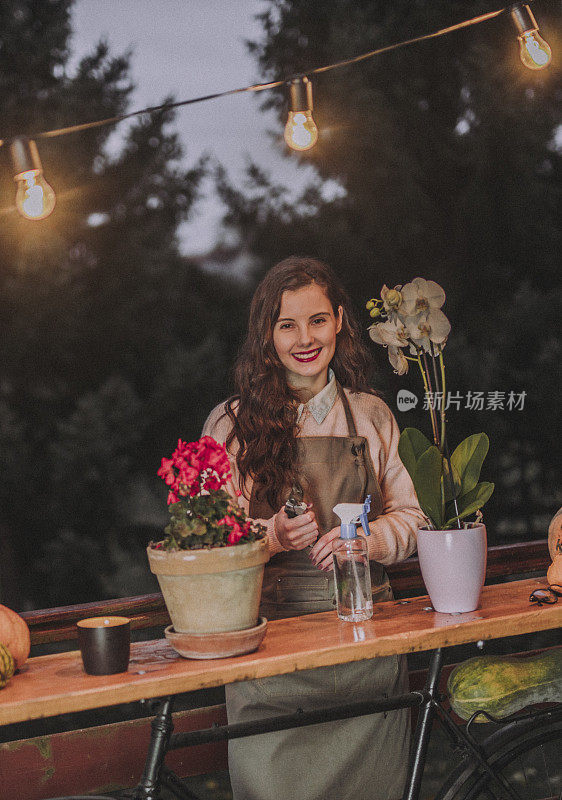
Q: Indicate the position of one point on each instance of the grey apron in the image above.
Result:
(365, 757)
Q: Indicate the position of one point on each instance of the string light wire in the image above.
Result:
(260, 87)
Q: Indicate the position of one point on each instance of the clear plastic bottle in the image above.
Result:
(353, 579)
(352, 576)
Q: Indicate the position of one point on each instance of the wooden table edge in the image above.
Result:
(187, 675)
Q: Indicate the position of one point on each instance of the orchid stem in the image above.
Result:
(432, 404)
(442, 390)
(429, 395)
(443, 433)
(442, 415)
(452, 482)
(443, 387)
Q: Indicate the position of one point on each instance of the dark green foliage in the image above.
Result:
(192, 527)
(112, 345)
(195, 523)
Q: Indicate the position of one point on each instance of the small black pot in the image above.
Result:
(105, 644)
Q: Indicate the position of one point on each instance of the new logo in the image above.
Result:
(406, 400)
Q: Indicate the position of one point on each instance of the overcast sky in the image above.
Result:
(187, 48)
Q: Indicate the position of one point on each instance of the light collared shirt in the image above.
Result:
(322, 403)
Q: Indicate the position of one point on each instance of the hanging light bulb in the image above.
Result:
(534, 51)
(35, 198)
(301, 132)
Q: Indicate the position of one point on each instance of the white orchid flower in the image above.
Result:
(392, 300)
(392, 333)
(421, 297)
(427, 324)
(425, 331)
(398, 360)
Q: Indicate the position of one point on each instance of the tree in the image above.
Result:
(445, 154)
(107, 334)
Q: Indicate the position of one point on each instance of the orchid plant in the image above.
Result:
(409, 322)
(203, 515)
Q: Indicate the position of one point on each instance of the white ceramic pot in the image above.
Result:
(453, 567)
(211, 591)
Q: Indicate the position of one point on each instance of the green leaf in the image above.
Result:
(448, 490)
(411, 446)
(468, 458)
(197, 527)
(470, 502)
(427, 483)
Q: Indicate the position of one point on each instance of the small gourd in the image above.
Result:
(554, 574)
(502, 685)
(555, 535)
(7, 666)
(14, 634)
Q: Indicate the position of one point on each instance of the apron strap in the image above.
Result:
(351, 429)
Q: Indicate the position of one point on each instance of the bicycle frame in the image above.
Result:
(431, 705)
(428, 701)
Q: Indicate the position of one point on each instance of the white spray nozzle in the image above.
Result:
(351, 514)
(348, 512)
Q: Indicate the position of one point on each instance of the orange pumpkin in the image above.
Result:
(555, 535)
(554, 574)
(14, 634)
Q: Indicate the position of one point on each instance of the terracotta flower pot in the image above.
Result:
(453, 567)
(211, 591)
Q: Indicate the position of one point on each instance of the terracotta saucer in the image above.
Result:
(217, 645)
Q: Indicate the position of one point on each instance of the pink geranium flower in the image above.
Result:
(196, 475)
(235, 535)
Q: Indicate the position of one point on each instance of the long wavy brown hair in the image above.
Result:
(264, 409)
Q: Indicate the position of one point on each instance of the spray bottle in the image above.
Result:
(351, 563)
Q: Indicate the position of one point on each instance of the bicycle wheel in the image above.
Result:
(528, 755)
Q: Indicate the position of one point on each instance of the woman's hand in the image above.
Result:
(296, 533)
(321, 553)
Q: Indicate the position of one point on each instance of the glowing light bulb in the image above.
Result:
(35, 198)
(301, 132)
(534, 51)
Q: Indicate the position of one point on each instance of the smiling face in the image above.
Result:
(304, 337)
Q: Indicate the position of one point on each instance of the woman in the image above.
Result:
(304, 422)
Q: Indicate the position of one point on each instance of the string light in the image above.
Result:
(301, 132)
(534, 51)
(260, 87)
(35, 198)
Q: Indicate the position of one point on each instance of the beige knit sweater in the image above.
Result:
(393, 533)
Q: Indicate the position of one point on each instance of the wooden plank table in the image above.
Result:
(57, 684)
